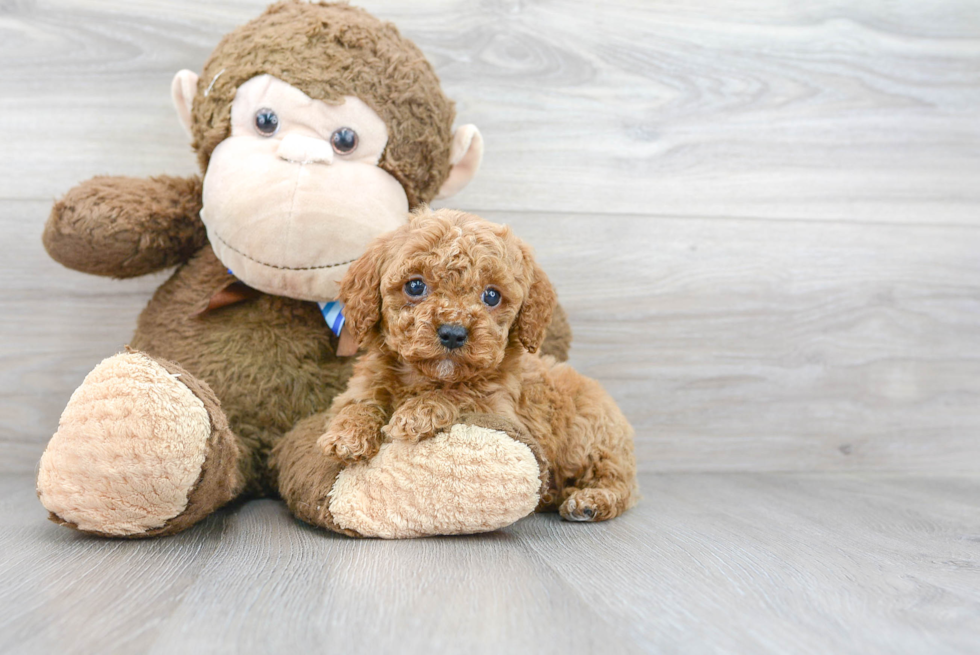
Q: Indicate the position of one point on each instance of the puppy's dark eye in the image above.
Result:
(266, 122)
(415, 288)
(491, 297)
(344, 140)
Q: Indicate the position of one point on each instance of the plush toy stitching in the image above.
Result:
(285, 268)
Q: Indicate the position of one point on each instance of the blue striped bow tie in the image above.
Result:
(333, 314)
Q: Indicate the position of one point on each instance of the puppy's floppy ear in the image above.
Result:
(534, 316)
(360, 290)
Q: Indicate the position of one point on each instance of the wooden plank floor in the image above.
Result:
(780, 563)
(764, 220)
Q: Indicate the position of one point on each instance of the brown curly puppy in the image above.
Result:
(449, 308)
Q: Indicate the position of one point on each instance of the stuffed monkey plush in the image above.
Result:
(317, 128)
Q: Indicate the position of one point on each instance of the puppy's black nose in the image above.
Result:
(452, 336)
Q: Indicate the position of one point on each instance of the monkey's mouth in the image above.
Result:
(298, 275)
(279, 266)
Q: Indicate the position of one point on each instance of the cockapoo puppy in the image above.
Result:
(450, 309)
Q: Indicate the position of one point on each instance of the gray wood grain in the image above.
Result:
(824, 110)
(777, 563)
(816, 563)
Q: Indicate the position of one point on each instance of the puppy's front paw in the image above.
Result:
(348, 445)
(353, 434)
(417, 420)
(589, 505)
(407, 427)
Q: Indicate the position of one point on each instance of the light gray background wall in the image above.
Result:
(763, 219)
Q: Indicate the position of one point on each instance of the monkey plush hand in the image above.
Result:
(317, 128)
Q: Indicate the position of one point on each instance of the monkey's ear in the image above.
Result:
(534, 316)
(465, 157)
(182, 90)
(360, 290)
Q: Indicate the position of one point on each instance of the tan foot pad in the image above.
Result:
(129, 448)
(468, 480)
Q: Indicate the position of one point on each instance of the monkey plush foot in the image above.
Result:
(470, 479)
(142, 449)
(478, 476)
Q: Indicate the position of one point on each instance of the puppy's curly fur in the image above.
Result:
(411, 385)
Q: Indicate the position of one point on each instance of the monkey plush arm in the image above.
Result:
(125, 226)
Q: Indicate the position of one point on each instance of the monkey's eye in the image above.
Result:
(415, 287)
(491, 297)
(344, 140)
(266, 122)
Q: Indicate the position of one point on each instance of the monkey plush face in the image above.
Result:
(318, 128)
(295, 194)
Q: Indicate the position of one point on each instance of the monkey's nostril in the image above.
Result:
(452, 336)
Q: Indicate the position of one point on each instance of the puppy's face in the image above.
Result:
(453, 290)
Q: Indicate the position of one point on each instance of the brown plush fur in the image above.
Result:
(409, 386)
(269, 361)
(220, 480)
(305, 476)
(126, 226)
(329, 51)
